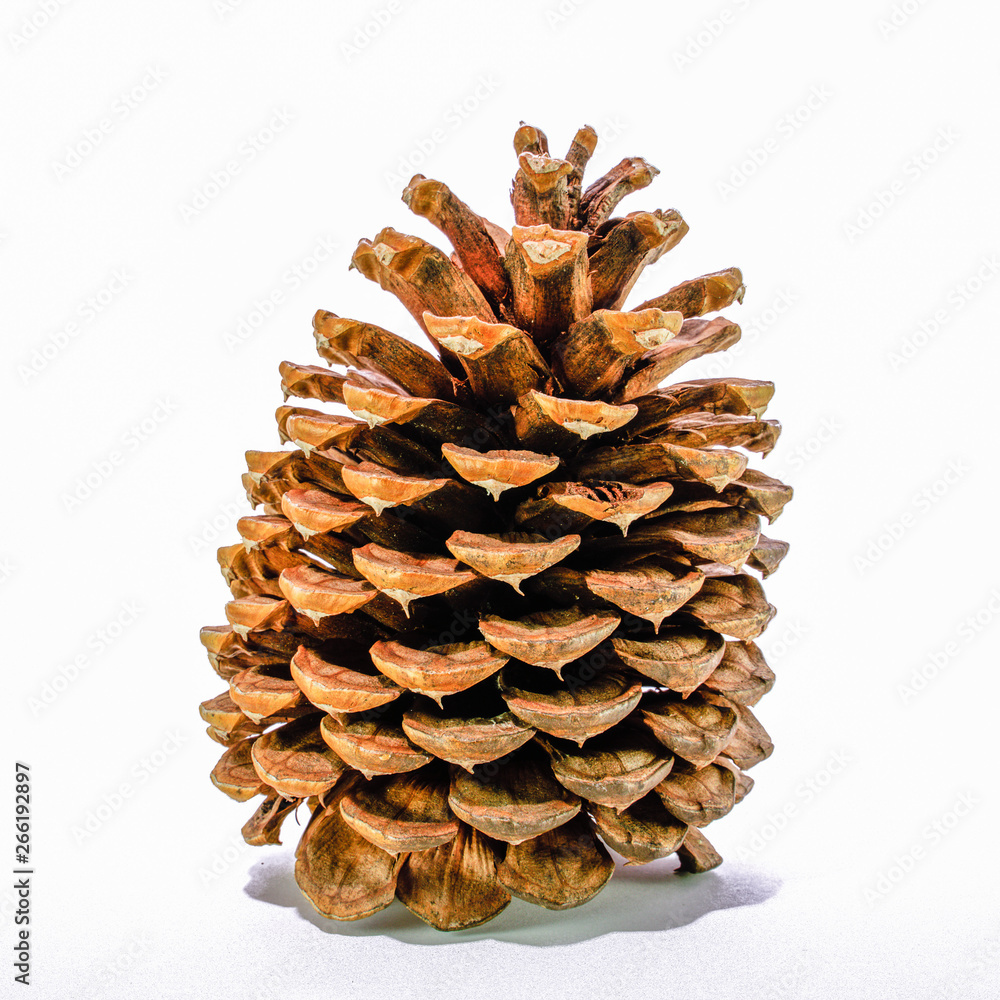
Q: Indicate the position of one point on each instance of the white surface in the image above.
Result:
(126, 910)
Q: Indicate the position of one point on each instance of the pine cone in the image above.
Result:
(497, 614)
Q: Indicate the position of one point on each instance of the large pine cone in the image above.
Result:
(498, 611)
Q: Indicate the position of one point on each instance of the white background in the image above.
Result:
(845, 156)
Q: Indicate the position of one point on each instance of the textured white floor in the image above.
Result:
(161, 901)
(742, 931)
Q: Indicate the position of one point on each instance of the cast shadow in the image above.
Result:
(645, 898)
